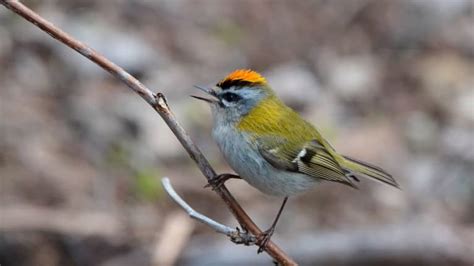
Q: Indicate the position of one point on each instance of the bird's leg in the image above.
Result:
(219, 180)
(265, 236)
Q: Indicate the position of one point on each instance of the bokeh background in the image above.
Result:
(81, 157)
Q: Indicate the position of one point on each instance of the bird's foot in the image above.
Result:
(264, 238)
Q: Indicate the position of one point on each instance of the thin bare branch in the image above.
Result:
(158, 102)
(236, 235)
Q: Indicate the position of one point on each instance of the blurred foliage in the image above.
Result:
(147, 185)
(118, 156)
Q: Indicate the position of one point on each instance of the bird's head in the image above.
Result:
(237, 94)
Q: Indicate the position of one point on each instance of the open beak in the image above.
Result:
(207, 91)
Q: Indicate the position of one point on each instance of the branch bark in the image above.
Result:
(158, 102)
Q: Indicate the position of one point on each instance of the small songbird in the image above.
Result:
(272, 147)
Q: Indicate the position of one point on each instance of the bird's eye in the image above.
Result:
(231, 97)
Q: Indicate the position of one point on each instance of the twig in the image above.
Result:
(158, 102)
(236, 235)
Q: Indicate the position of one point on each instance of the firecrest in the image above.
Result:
(272, 147)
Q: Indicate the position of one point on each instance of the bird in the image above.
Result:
(271, 146)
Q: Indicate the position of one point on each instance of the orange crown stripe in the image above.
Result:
(246, 75)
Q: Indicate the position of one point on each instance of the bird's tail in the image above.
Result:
(354, 166)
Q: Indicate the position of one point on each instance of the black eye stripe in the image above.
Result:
(230, 97)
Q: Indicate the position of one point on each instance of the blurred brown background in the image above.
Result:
(81, 157)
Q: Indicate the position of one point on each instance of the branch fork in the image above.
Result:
(236, 235)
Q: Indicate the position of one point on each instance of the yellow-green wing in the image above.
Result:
(310, 158)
